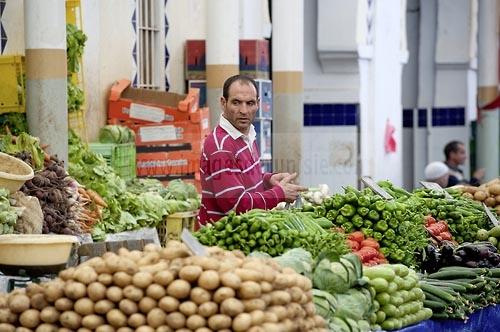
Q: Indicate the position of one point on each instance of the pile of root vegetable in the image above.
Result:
(58, 198)
(166, 289)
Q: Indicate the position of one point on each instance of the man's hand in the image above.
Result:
(275, 179)
(479, 174)
(291, 190)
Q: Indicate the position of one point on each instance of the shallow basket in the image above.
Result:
(13, 172)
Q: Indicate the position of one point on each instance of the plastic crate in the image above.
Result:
(76, 121)
(171, 228)
(119, 156)
(12, 84)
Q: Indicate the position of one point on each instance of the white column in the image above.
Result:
(288, 92)
(46, 94)
(487, 146)
(251, 17)
(222, 48)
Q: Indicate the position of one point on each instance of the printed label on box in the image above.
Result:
(158, 133)
(147, 113)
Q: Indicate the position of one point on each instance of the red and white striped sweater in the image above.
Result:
(232, 178)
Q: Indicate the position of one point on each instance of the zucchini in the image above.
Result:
(453, 274)
(438, 291)
(381, 271)
(436, 306)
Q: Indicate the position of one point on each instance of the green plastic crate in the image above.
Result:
(119, 156)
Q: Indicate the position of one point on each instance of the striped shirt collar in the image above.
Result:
(235, 133)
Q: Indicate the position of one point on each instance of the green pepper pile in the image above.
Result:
(272, 232)
(398, 229)
(464, 216)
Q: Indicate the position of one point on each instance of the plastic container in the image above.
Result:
(172, 226)
(35, 249)
(121, 157)
(13, 172)
(12, 84)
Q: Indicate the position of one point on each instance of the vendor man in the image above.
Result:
(231, 174)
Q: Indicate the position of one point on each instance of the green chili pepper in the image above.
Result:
(373, 215)
(381, 226)
(363, 211)
(254, 227)
(347, 210)
(357, 221)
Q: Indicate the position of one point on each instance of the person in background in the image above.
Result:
(231, 174)
(455, 155)
(437, 172)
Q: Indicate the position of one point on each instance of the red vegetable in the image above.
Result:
(445, 236)
(356, 236)
(353, 245)
(367, 253)
(370, 243)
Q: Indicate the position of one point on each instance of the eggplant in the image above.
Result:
(471, 264)
(447, 251)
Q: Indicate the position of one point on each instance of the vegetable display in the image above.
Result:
(13, 123)
(398, 297)
(493, 236)
(25, 147)
(166, 289)
(76, 97)
(438, 229)
(8, 214)
(271, 232)
(455, 292)
(397, 228)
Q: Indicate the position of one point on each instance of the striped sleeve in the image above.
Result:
(229, 190)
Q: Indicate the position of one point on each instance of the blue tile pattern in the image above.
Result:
(452, 116)
(3, 35)
(422, 117)
(167, 54)
(330, 115)
(134, 50)
(408, 118)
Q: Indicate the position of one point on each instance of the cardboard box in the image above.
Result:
(195, 60)
(179, 132)
(150, 106)
(254, 58)
(167, 163)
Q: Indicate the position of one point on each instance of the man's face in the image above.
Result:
(459, 156)
(241, 105)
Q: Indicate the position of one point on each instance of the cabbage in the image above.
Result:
(330, 277)
(116, 134)
(298, 259)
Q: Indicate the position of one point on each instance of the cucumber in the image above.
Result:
(453, 274)
(432, 297)
(438, 291)
(436, 306)
(455, 286)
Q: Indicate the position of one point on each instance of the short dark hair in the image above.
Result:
(238, 78)
(451, 147)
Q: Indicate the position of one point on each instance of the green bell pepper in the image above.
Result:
(364, 201)
(363, 211)
(357, 221)
(381, 226)
(348, 210)
(373, 215)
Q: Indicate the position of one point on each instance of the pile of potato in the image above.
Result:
(488, 193)
(165, 289)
